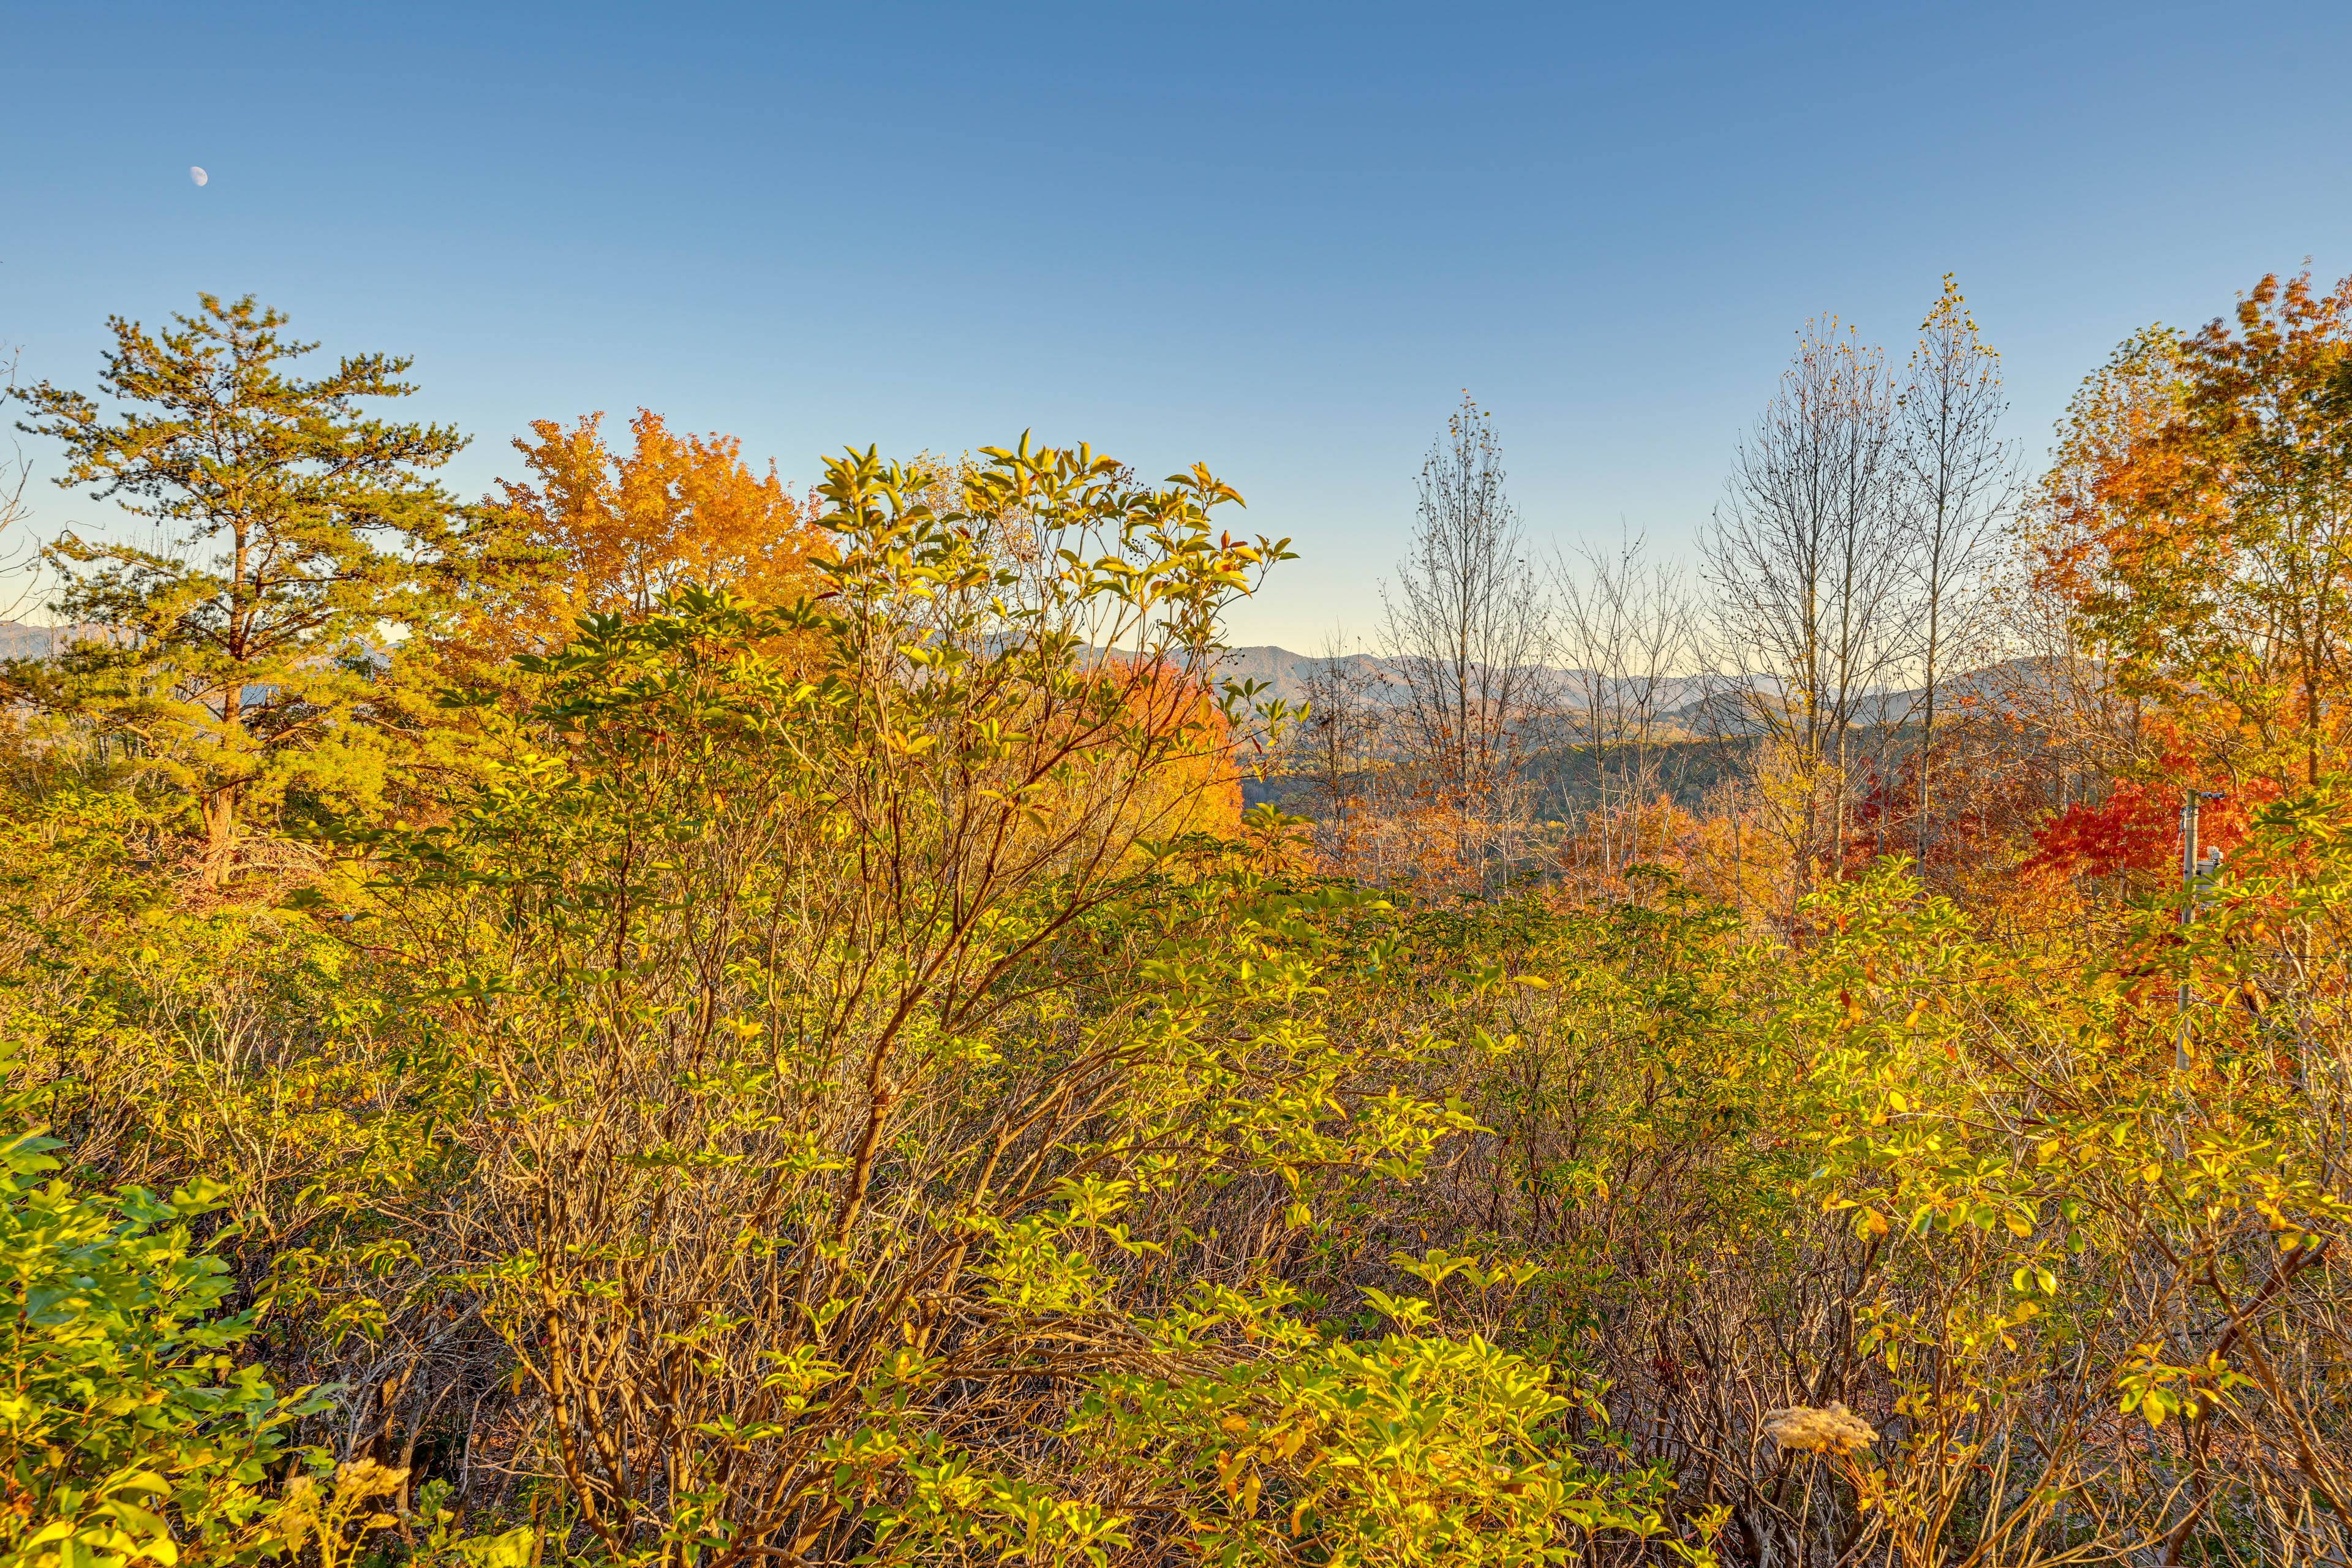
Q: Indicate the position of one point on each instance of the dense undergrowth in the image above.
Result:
(808, 1084)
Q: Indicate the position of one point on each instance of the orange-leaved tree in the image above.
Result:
(609, 532)
(2198, 521)
(1199, 789)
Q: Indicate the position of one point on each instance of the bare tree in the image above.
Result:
(1337, 749)
(1808, 561)
(14, 472)
(1466, 624)
(1629, 638)
(1963, 485)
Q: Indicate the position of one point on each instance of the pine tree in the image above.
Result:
(292, 531)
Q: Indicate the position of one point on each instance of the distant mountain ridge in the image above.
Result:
(1690, 701)
(1286, 673)
(23, 639)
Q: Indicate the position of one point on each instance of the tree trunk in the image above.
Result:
(220, 834)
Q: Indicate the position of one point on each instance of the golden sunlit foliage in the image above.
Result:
(1200, 784)
(615, 531)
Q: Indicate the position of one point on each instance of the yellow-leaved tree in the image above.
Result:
(604, 531)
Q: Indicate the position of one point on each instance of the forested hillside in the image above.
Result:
(654, 1017)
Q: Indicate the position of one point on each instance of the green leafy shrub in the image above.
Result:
(128, 1430)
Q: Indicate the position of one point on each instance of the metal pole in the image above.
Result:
(2187, 914)
(2189, 801)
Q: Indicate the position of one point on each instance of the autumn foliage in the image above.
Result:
(800, 1056)
(1200, 783)
(2199, 522)
(613, 531)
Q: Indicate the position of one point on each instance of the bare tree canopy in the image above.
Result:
(1963, 484)
(1340, 748)
(1465, 624)
(1808, 558)
(1629, 639)
(14, 512)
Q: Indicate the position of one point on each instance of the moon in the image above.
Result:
(198, 175)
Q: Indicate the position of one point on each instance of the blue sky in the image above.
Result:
(1280, 239)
